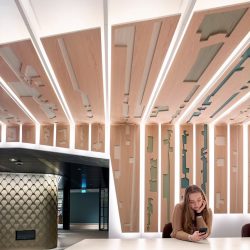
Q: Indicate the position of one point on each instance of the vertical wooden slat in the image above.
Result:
(236, 169)
(186, 158)
(167, 164)
(151, 178)
(202, 166)
(125, 156)
(220, 172)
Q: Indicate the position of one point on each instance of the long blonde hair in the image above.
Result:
(188, 219)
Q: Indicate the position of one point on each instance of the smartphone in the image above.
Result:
(203, 230)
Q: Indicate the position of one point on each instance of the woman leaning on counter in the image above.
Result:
(192, 215)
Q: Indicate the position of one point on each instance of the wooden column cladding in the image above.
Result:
(125, 157)
(186, 158)
(236, 169)
(62, 135)
(98, 137)
(220, 169)
(47, 134)
(151, 178)
(168, 173)
(202, 169)
(82, 136)
(28, 133)
(12, 133)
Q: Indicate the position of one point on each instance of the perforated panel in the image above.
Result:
(28, 202)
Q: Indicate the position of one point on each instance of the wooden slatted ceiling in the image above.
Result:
(76, 60)
(138, 50)
(232, 86)
(23, 72)
(175, 89)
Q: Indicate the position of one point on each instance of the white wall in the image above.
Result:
(228, 225)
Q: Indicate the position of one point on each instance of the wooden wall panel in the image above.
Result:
(202, 169)
(47, 134)
(168, 173)
(125, 156)
(186, 158)
(62, 135)
(236, 169)
(151, 178)
(98, 137)
(12, 133)
(138, 51)
(80, 77)
(220, 169)
(28, 133)
(82, 136)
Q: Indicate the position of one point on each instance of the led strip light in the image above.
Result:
(16, 99)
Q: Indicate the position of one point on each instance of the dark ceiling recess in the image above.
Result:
(71, 167)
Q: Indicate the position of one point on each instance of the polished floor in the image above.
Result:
(67, 238)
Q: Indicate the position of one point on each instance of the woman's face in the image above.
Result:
(195, 201)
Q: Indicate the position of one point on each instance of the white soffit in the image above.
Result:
(121, 11)
(12, 27)
(62, 16)
(211, 4)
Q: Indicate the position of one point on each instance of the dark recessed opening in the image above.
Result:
(26, 235)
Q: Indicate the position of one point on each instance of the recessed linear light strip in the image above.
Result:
(27, 14)
(3, 132)
(177, 163)
(194, 153)
(20, 133)
(245, 168)
(72, 136)
(172, 50)
(54, 134)
(37, 134)
(211, 165)
(106, 71)
(14, 97)
(229, 61)
(228, 169)
(159, 178)
(90, 136)
(142, 179)
(234, 106)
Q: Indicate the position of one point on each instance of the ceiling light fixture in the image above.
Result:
(12, 159)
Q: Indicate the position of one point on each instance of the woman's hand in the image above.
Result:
(202, 206)
(196, 236)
